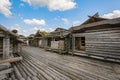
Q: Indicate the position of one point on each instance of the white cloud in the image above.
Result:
(60, 5)
(50, 29)
(65, 20)
(19, 15)
(20, 29)
(15, 26)
(5, 7)
(76, 23)
(36, 28)
(35, 22)
(22, 5)
(27, 32)
(42, 29)
(114, 14)
(55, 18)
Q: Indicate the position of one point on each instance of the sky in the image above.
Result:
(28, 16)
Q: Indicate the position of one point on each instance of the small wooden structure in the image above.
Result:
(97, 37)
(24, 39)
(36, 39)
(58, 40)
(30, 39)
(9, 44)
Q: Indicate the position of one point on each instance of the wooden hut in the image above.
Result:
(97, 37)
(30, 39)
(9, 44)
(58, 40)
(24, 39)
(37, 40)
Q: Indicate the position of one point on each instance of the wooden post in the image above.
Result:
(73, 44)
(15, 47)
(6, 47)
(66, 45)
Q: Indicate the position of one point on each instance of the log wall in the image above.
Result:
(44, 43)
(1, 41)
(6, 48)
(1, 33)
(11, 46)
(102, 42)
(1, 46)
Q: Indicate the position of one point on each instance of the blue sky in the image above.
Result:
(27, 16)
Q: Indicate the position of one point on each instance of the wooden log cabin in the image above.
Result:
(9, 43)
(24, 39)
(37, 39)
(98, 38)
(30, 39)
(58, 40)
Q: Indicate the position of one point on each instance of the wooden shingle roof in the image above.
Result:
(95, 21)
(9, 32)
(95, 24)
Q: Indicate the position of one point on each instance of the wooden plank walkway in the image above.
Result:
(38, 64)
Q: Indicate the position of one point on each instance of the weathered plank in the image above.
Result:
(6, 71)
(4, 66)
(11, 60)
(17, 73)
(6, 43)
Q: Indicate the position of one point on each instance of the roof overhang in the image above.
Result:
(96, 24)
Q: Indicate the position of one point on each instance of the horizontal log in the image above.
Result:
(79, 51)
(11, 60)
(1, 35)
(102, 47)
(99, 37)
(104, 50)
(17, 73)
(6, 71)
(1, 32)
(1, 52)
(105, 29)
(104, 44)
(4, 66)
(2, 77)
(109, 35)
(98, 33)
(103, 54)
(103, 39)
(112, 50)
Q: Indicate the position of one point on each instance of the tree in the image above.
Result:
(45, 33)
(14, 31)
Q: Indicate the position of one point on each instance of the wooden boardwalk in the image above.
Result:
(38, 64)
